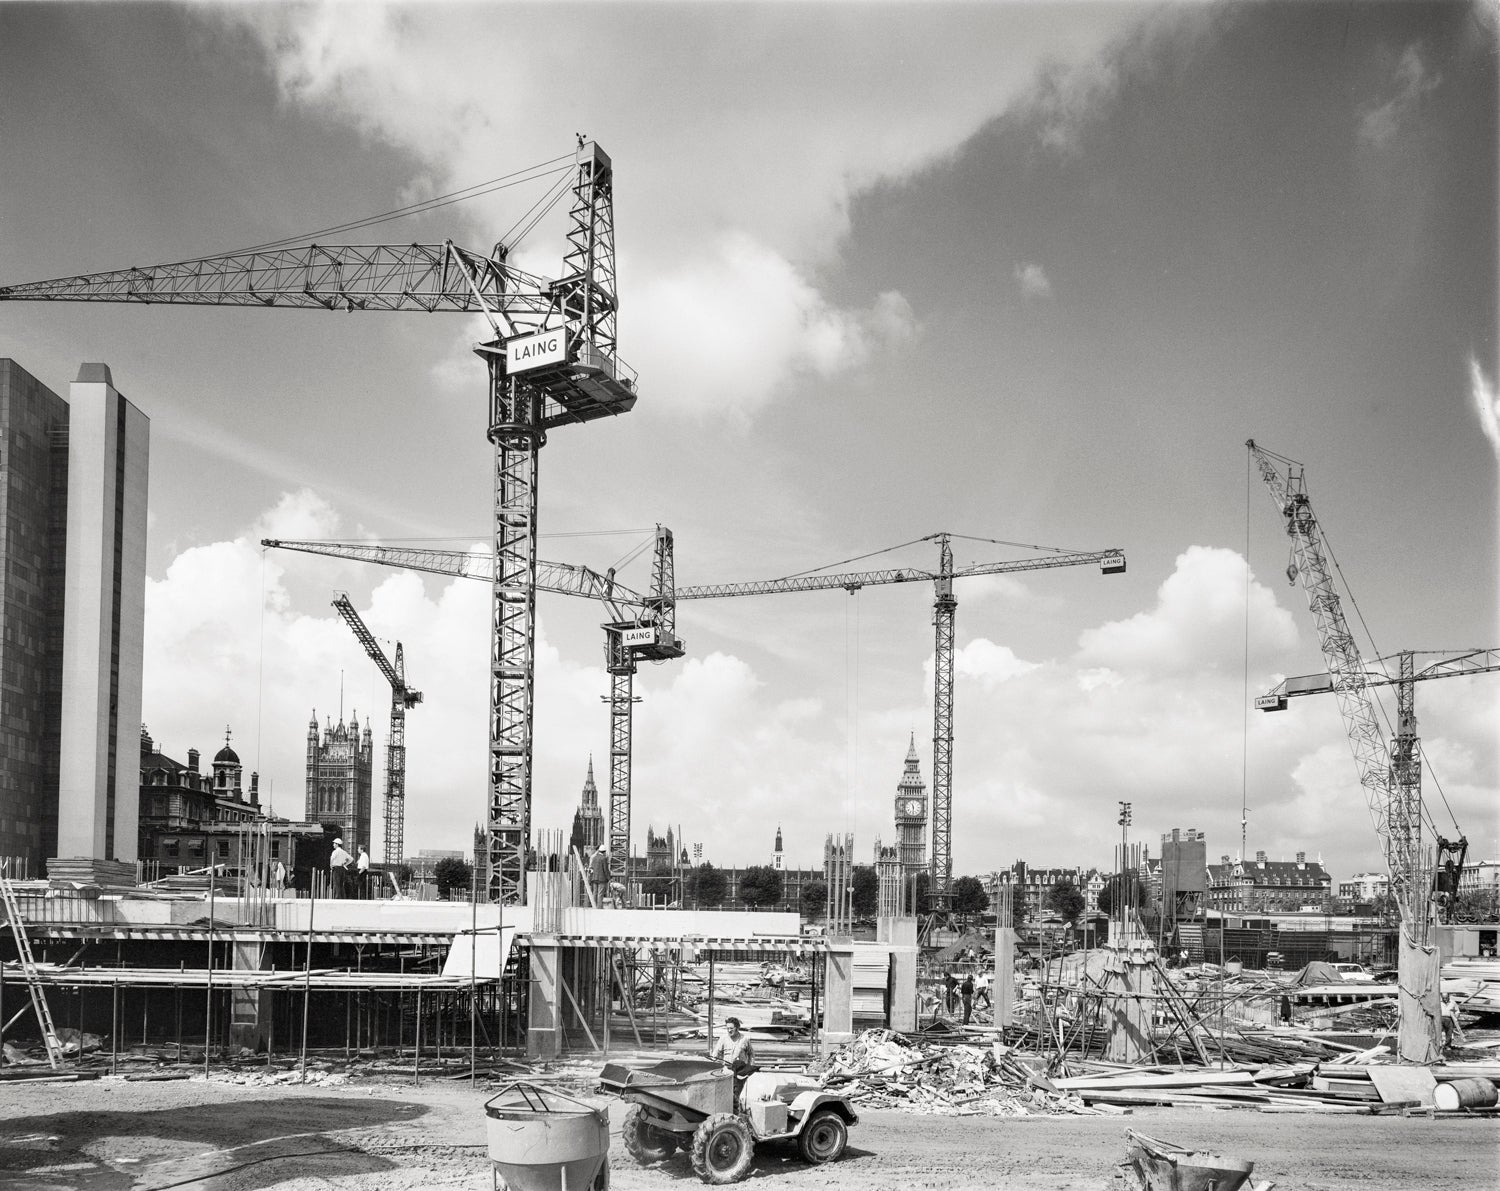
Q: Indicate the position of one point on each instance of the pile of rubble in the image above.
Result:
(883, 1069)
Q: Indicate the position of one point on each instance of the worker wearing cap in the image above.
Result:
(338, 868)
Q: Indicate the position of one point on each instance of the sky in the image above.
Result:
(1024, 273)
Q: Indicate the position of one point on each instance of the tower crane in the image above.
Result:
(402, 697)
(551, 361)
(944, 610)
(1392, 784)
(1406, 759)
(641, 628)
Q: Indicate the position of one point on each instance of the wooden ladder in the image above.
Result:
(28, 970)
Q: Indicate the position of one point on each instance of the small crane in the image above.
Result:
(402, 698)
(551, 361)
(641, 628)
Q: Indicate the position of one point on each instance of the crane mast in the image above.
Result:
(402, 697)
(944, 614)
(551, 362)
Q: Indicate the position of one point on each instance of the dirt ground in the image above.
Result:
(216, 1134)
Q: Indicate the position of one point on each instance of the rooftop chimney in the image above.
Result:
(192, 760)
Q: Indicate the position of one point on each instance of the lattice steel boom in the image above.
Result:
(578, 378)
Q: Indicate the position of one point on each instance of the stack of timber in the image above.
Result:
(81, 872)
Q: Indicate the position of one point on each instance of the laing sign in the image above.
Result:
(540, 349)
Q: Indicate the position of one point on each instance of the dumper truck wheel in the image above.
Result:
(643, 1141)
(722, 1149)
(823, 1137)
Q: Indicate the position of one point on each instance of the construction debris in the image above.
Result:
(883, 1069)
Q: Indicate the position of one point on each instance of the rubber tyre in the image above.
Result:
(722, 1149)
(823, 1138)
(643, 1142)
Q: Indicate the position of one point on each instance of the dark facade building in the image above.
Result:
(33, 543)
(340, 777)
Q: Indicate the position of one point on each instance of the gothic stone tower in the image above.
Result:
(911, 814)
(588, 819)
(340, 776)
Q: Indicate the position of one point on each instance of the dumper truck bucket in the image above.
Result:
(697, 1087)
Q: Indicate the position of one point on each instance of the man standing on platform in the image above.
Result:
(338, 869)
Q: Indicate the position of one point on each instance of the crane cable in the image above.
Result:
(477, 190)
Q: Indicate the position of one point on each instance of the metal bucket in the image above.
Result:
(542, 1140)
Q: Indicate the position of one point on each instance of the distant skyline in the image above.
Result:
(1021, 272)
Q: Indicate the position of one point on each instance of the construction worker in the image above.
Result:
(982, 989)
(338, 869)
(966, 990)
(362, 868)
(598, 874)
(733, 1049)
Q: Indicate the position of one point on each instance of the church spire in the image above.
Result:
(590, 790)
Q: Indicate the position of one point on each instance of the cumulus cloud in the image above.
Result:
(1032, 280)
(724, 333)
(1379, 122)
(1198, 620)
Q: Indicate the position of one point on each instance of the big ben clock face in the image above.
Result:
(911, 807)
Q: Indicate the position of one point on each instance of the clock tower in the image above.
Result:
(911, 815)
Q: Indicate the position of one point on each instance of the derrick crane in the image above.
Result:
(1406, 751)
(402, 697)
(1392, 784)
(551, 362)
(944, 609)
(642, 628)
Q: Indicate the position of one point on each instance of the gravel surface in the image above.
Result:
(223, 1135)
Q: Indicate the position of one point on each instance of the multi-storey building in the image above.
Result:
(1263, 886)
(104, 620)
(1179, 879)
(340, 776)
(1364, 888)
(33, 537)
(73, 489)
